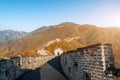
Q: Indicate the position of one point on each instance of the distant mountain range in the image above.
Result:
(89, 34)
(8, 35)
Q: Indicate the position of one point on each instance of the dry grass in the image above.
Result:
(89, 35)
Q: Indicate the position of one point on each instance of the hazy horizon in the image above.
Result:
(28, 15)
(60, 23)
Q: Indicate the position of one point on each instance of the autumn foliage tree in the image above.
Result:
(26, 53)
(48, 49)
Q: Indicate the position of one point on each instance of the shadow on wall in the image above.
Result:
(43, 73)
(56, 64)
(11, 69)
(31, 75)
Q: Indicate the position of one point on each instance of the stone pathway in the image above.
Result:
(49, 71)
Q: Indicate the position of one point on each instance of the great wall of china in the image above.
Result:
(13, 68)
(90, 62)
(94, 62)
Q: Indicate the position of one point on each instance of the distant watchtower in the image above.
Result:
(58, 51)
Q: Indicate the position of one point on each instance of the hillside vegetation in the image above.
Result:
(89, 34)
(66, 44)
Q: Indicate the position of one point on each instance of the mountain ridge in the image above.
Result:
(89, 34)
(8, 35)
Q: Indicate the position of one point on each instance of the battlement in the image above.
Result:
(12, 68)
(94, 62)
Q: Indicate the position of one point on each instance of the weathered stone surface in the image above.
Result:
(13, 68)
(90, 62)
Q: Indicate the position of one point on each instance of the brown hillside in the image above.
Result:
(89, 34)
(65, 44)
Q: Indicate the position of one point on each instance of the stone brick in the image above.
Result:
(13, 68)
(92, 60)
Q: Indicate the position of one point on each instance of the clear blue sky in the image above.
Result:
(28, 15)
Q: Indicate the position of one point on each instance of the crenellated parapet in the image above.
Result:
(94, 62)
(12, 68)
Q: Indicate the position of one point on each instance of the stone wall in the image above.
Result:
(89, 63)
(13, 68)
